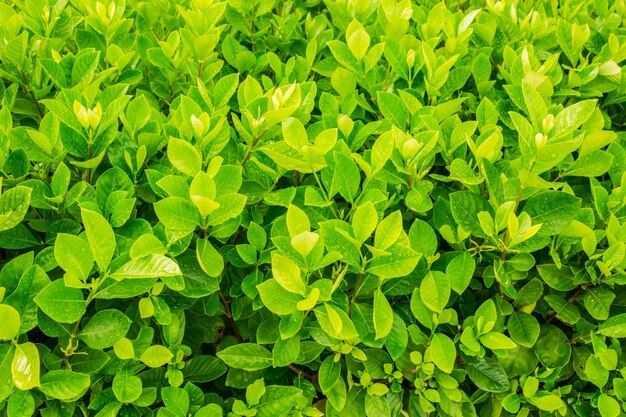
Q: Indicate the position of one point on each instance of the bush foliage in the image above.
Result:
(303, 208)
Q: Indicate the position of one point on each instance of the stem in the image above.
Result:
(325, 195)
(359, 281)
(200, 69)
(31, 93)
(229, 314)
(70, 351)
(312, 377)
(507, 236)
(570, 300)
(251, 148)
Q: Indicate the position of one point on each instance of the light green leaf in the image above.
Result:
(435, 291)
(277, 299)
(364, 221)
(25, 366)
(443, 352)
(210, 260)
(496, 340)
(100, 237)
(73, 254)
(383, 315)
(287, 273)
(156, 356)
(152, 266)
(14, 204)
(388, 231)
(177, 214)
(184, 156)
(10, 319)
(460, 271)
(297, 221)
(608, 406)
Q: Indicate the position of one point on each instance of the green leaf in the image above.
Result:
(346, 177)
(595, 372)
(614, 326)
(523, 328)
(598, 302)
(383, 315)
(488, 375)
(297, 221)
(553, 348)
(335, 322)
(14, 204)
(465, 207)
(104, 329)
(443, 352)
(247, 356)
(100, 237)
(65, 385)
(21, 404)
(286, 351)
(61, 303)
(329, 373)
(435, 291)
(392, 108)
(560, 279)
(594, 164)
(126, 386)
(203, 368)
(278, 400)
(11, 322)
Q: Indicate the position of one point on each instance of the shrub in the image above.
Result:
(305, 208)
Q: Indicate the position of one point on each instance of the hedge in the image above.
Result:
(303, 208)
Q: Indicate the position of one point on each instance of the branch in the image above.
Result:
(312, 377)
(570, 300)
(229, 314)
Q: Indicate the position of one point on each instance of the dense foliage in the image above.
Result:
(345, 208)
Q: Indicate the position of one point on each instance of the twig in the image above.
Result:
(312, 377)
(570, 300)
(251, 148)
(229, 314)
(31, 93)
(356, 291)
